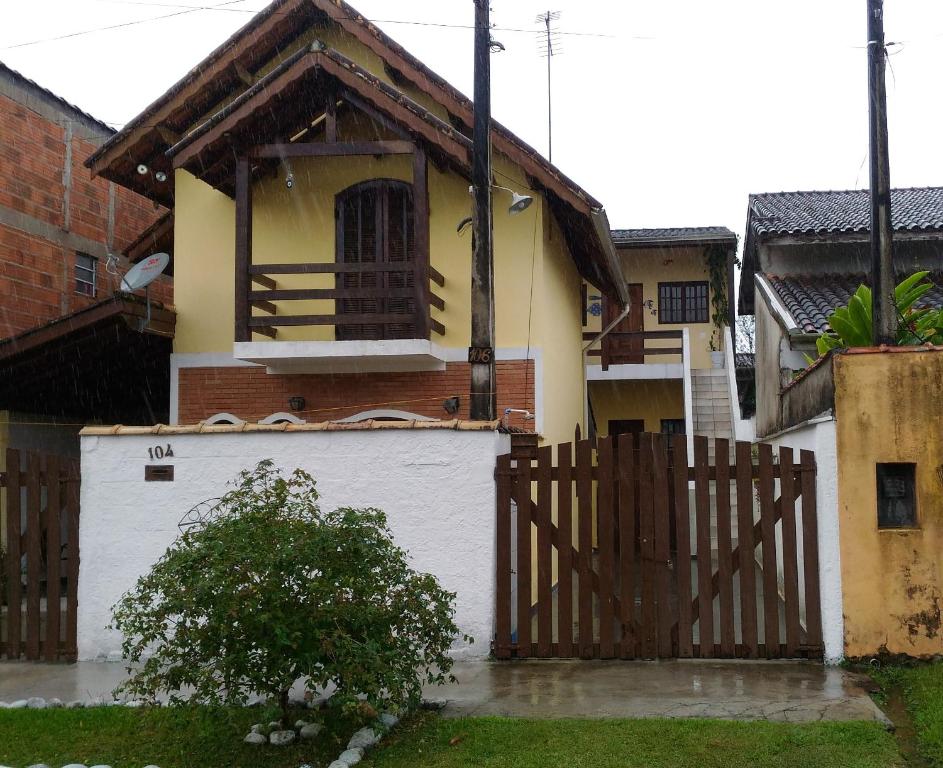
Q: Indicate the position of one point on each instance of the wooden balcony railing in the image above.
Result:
(633, 347)
(269, 292)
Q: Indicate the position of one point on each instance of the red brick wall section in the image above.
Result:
(37, 274)
(252, 394)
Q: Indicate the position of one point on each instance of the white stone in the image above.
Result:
(75, 704)
(255, 738)
(257, 728)
(310, 731)
(389, 720)
(282, 738)
(127, 524)
(338, 764)
(275, 725)
(39, 765)
(18, 704)
(74, 765)
(101, 766)
(350, 756)
(365, 739)
(135, 703)
(4, 705)
(299, 724)
(54, 703)
(36, 702)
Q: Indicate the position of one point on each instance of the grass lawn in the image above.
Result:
(433, 742)
(921, 688)
(167, 737)
(212, 738)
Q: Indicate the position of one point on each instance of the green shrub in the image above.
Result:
(271, 589)
(852, 324)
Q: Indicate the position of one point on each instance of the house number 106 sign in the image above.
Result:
(480, 354)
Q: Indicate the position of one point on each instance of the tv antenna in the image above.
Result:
(548, 45)
(141, 275)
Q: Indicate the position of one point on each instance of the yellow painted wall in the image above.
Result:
(665, 265)
(888, 410)
(557, 308)
(650, 400)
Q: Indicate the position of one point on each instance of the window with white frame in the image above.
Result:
(85, 274)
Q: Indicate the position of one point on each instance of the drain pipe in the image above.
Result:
(605, 331)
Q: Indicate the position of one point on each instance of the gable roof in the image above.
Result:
(810, 299)
(672, 236)
(845, 214)
(229, 75)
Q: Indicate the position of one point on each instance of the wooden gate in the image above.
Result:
(38, 599)
(608, 556)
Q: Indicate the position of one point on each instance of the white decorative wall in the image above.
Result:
(819, 435)
(435, 485)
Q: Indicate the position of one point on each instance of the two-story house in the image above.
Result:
(663, 367)
(805, 254)
(319, 175)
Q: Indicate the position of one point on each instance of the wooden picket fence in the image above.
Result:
(40, 497)
(624, 541)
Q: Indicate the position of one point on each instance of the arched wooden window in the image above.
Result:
(375, 225)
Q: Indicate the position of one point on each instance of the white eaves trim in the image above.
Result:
(776, 306)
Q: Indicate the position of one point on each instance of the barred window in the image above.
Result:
(85, 274)
(682, 302)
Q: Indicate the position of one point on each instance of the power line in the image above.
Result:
(187, 9)
(123, 24)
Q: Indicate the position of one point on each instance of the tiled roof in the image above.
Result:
(672, 236)
(783, 213)
(810, 299)
(322, 426)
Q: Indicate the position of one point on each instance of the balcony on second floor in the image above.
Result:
(638, 355)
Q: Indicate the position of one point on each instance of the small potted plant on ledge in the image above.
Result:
(717, 351)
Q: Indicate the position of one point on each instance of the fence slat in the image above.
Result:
(584, 494)
(544, 551)
(705, 568)
(747, 549)
(14, 554)
(524, 564)
(787, 502)
(606, 544)
(33, 556)
(679, 446)
(503, 561)
(626, 472)
(565, 551)
(810, 551)
(724, 547)
(662, 530)
(647, 547)
(53, 556)
(768, 538)
(72, 565)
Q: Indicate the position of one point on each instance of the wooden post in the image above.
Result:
(243, 248)
(421, 222)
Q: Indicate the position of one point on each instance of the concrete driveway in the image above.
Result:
(735, 690)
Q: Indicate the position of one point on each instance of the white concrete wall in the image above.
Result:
(819, 435)
(435, 485)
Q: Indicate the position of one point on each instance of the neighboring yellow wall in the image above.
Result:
(887, 409)
(649, 400)
(665, 265)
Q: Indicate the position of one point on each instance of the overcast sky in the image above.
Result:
(669, 111)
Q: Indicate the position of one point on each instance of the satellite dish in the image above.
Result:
(144, 272)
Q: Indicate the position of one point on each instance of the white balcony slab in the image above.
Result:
(652, 371)
(343, 356)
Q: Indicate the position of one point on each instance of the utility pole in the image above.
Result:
(483, 405)
(884, 309)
